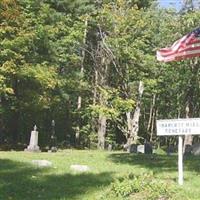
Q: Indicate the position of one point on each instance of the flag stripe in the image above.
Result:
(189, 47)
(186, 47)
(165, 50)
(179, 56)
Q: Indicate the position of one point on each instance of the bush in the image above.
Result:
(144, 187)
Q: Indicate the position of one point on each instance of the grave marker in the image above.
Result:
(33, 144)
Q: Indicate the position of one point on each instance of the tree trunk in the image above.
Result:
(101, 132)
(15, 127)
(133, 122)
(152, 114)
(188, 138)
(152, 124)
(129, 124)
(101, 124)
(1, 124)
(101, 63)
(95, 87)
(190, 107)
(79, 103)
(15, 116)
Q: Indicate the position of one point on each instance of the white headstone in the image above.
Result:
(80, 168)
(42, 163)
(140, 148)
(33, 144)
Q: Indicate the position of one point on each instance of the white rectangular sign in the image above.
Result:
(189, 126)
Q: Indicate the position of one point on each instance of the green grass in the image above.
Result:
(21, 180)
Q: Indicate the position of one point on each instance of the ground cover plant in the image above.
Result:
(113, 175)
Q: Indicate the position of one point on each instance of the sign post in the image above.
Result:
(180, 127)
(180, 160)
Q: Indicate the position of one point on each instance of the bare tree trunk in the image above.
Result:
(133, 122)
(152, 124)
(101, 59)
(102, 122)
(152, 114)
(95, 87)
(129, 124)
(79, 102)
(101, 132)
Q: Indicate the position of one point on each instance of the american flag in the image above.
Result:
(186, 47)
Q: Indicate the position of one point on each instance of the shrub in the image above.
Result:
(145, 187)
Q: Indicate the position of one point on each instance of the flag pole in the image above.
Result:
(186, 47)
(180, 160)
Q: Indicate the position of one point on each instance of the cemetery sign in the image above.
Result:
(188, 126)
(180, 127)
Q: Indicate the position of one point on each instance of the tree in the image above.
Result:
(123, 55)
(39, 48)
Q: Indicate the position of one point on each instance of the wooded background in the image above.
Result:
(90, 65)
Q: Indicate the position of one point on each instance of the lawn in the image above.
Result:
(21, 180)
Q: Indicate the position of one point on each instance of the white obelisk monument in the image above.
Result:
(33, 145)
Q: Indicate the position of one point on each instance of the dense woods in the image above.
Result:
(90, 65)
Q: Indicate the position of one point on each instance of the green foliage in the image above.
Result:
(44, 75)
(103, 110)
(144, 186)
(39, 48)
(53, 52)
(123, 105)
(113, 105)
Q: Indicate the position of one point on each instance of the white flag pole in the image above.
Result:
(180, 160)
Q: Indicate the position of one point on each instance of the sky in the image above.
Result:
(171, 3)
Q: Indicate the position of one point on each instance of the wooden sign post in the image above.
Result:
(180, 127)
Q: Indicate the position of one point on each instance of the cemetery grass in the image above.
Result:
(21, 180)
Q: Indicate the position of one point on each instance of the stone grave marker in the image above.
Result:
(196, 149)
(148, 149)
(110, 147)
(171, 149)
(188, 150)
(42, 163)
(132, 148)
(80, 168)
(33, 144)
(53, 139)
(140, 149)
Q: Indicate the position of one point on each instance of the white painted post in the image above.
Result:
(180, 127)
(180, 160)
